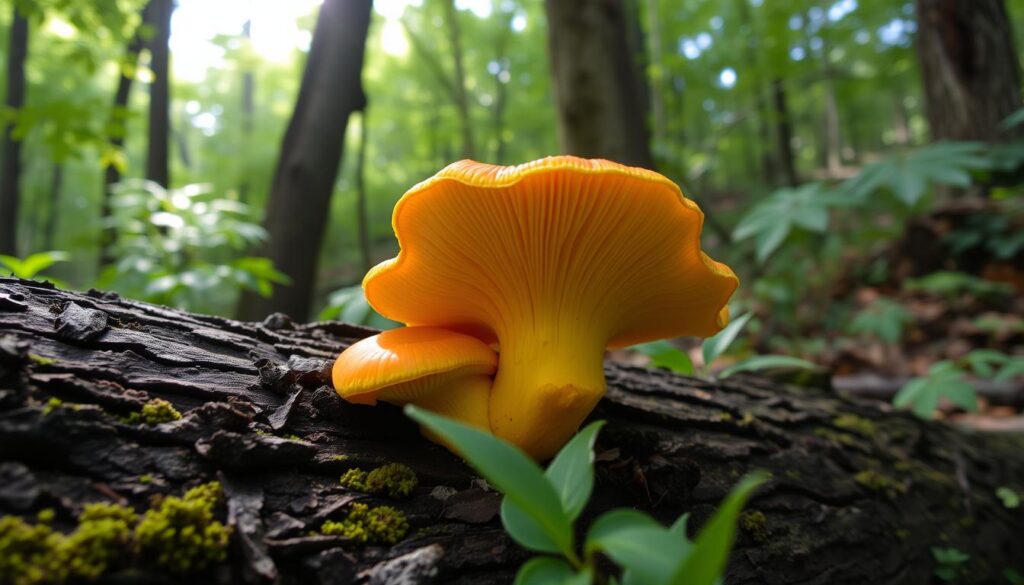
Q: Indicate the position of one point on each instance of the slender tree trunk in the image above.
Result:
(599, 96)
(300, 194)
(459, 82)
(248, 111)
(116, 132)
(656, 78)
(901, 121)
(969, 67)
(10, 170)
(157, 156)
(53, 210)
(501, 78)
(784, 134)
(362, 217)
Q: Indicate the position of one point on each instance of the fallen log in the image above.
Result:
(859, 493)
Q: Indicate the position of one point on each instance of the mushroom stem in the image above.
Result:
(544, 389)
(464, 398)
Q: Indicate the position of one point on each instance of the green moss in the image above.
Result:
(844, 439)
(366, 525)
(40, 360)
(31, 554)
(154, 412)
(879, 482)
(747, 420)
(293, 437)
(724, 416)
(146, 478)
(393, 479)
(339, 457)
(180, 535)
(856, 424)
(754, 523)
(52, 405)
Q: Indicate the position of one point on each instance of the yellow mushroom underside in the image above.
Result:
(554, 260)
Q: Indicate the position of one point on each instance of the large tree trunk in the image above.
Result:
(598, 89)
(10, 168)
(300, 196)
(859, 494)
(157, 154)
(970, 68)
(784, 134)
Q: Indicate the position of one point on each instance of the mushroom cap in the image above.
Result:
(404, 365)
(613, 249)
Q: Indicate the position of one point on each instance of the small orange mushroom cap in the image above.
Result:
(553, 260)
(441, 370)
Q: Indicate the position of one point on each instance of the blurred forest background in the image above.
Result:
(860, 161)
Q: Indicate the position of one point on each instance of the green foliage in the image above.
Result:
(884, 319)
(665, 355)
(908, 175)
(953, 284)
(186, 247)
(539, 509)
(1009, 497)
(717, 345)
(995, 233)
(944, 380)
(180, 535)
(366, 525)
(154, 412)
(393, 479)
(772, 220)
(951, 563)
(767, 362)
(33, 265)
(349, 305)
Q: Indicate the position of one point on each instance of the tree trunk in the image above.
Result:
(10, 169)
(248, 109)
(460, 94)
(859, 493)
(300, 195)
(784, 134)
(657, 72)
(157, 154)
(362, 217)
(115, 138)
(597, 87)
(501, 79)
(53, 210)
(969, 67)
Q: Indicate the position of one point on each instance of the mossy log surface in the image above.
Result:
(859, 493)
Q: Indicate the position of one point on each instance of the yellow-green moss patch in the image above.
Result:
(366, 525)
(393, 479)
(180, 535)
(879, 482)
(154, 412)
(754, 523)
(856, 424)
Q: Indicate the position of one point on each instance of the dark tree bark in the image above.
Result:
(969, 67)
(598, 89)
(10, 168)
(158, 154)
(300, 195)
(784, 134)
(115, 138)
(858, 493)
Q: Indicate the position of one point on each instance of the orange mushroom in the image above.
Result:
(553, 260)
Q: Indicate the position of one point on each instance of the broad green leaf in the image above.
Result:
(647, 550)
(544, 571)
(572, 471)
(664, 355)
(763, 362)
(509, 470)
(1010, 498)
(525, 530)
(1013, 120)
(769, 240)
(36, 263)
(711, 549)
(1010, 370)
(716, 345)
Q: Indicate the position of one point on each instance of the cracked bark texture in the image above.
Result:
(859, 493)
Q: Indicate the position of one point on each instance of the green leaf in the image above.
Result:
(525, 530)
(707, 560)
(1010, 498)
(544, 571)
(944, 380)
(647, 550)
(1010, 370)
(509, 470)
(664, 355)
(716, 345)
(763, 362)
(572, 471)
